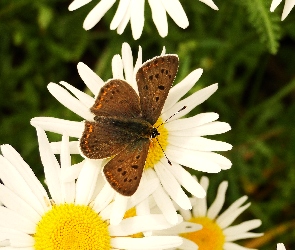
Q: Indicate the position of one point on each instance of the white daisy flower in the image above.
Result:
(182, 140)
(30, 219)
(281, 246)
(133, 10)
(216, 232)
(289, 4)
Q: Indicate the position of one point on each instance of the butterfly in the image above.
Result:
(123, 122)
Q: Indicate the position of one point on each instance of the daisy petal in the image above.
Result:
(234, 246)
(127, 60)
(198, 143)
(171, 186)
(16, 238)
(76, 4)
(192, 159)
(97, 13)
(186, 180)
(86, 181)
(124, 21)
(175, 10)
(117, 67)
(13, 220)
(190, 102)
(242, 228)
(191, 122)
(243, 236)
(289, 4)
(85, 99)
(159, 17)
(118, 209)
(210, 3)
(180, 89)
(51, 166)
(103, 198)
(121, 10)
(137, 18)
(66, 99)
(74, 147)
(151, 243)
(274, 4)
(91, 80)
(188, 245)
(60, 126)
(140, 223)
(218, 202)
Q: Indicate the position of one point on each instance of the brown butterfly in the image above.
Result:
(123, 122)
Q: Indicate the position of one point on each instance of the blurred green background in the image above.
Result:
(243, 47)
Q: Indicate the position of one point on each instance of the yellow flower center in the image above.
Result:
(210, 237)
(69, 227)
(155, 151)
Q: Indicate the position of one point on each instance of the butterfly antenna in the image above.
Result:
(184, 107)
(164, 152)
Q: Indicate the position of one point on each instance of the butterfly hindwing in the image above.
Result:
(124, 171)
(154, 80)
(117, 98)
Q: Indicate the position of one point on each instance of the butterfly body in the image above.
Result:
(123, 122)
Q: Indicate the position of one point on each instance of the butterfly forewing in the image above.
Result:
(124, 171)
(117, 98)
(154, 80)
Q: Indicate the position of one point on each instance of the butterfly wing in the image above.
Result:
(124, 171)
(117, 98)
(154, 80)
(103, 139)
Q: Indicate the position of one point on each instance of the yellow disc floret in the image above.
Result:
(155, 151)
(71, 227)
(210, 237)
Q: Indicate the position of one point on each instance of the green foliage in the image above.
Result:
(42, 42)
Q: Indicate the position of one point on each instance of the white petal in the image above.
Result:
(13, 220)
(36, 190)
(139, 224)
(127, 60)
(104, 197)
(191, 122)
(243, 236)
(192, 159)
(70, 102)
(186, 180)
(188, 245)
(180, 89)
(200, 208)
(289, 4)
(137, 18)
(76, 4)
(163, 201)
(117, 67)
(190, 102)
(241, 228)
(183, 227)
(171, 186)
(21, 186)
(198, 143)
(119, 209)
(15, 203)
(51, 167)
(85, 99)
(145, 189)
(137, 65)
(229, 215)
(186, 214)
(234, 246)
(281, 246)
(121, 10)
(73, 146)
(72, 173)
(124, 21)
(16, 238)
(148, 243)
(90, 78)
(218, 202)
(159, 17)
(60, 126)
(176, 11)
(210, 3)
(86, 181)
(212, 128)
(274, 5)
(97, 13)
